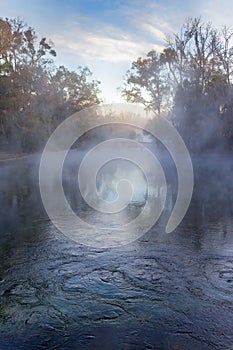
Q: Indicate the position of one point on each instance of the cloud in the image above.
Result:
(108, 36)
(116, 32)
(158, 34)
(107, 46)
(153, 16)
(219, 12)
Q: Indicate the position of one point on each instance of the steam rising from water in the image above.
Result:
(111, 192)
(126, 175)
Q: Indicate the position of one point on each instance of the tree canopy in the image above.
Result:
(190, 82)
(35, 95)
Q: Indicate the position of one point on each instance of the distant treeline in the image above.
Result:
(190, 82)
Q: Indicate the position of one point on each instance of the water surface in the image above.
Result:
(160, 292)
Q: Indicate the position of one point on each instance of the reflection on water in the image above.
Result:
(160, 292)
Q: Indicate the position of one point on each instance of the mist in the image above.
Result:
(116, 220)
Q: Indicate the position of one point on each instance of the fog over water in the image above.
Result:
(116, 220)
(162, 291)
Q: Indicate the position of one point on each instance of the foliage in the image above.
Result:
(35, 95)
(191, 82)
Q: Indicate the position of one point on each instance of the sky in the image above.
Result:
(106, 35)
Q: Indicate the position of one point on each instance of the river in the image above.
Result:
(163, 291)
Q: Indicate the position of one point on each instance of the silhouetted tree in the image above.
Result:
(189, 82)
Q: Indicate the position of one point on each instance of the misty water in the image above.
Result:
(163, 291)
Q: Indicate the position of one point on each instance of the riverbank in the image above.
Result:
(5, 157)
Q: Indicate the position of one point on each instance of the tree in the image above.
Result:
(190, 81)
(74, 89)
(147, 83)
(35, 95)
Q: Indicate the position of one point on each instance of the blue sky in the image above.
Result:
(108, 35)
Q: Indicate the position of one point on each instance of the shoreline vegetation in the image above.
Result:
(190, 83)
(4, 156)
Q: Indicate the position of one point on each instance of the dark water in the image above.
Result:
(161, 292)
